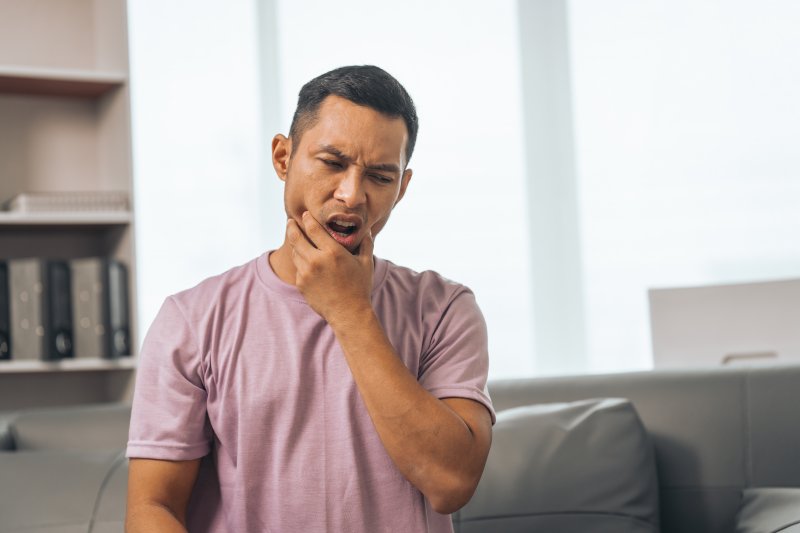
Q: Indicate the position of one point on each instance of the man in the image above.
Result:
(317, 388)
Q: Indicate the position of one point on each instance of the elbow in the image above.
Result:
(448, 506)
(452, 494)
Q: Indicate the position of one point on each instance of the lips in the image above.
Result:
(344, 229)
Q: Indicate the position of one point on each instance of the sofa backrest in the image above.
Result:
(715, 431)
(78, 428)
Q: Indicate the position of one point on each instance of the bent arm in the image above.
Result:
(440, 446)
(158, 494)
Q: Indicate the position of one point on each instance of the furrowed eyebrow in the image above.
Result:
(384, 167)
(327, 148)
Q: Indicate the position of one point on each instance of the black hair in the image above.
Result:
(365, 85)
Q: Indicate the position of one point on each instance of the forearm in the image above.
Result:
(431, 445)
(146, 518)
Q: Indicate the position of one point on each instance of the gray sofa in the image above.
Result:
(726, 448)
(707, 451)
(63, 470)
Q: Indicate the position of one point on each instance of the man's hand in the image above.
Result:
(334, 282)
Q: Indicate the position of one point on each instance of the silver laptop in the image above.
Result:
(737, 324)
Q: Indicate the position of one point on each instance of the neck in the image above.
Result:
(281, 263)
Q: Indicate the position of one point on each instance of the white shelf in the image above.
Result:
(66, 365)
(88, 218)
(58, 82)
(66, 127)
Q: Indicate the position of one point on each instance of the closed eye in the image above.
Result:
(332, 163)
(381, 179)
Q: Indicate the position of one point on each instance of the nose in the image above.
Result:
(350, 189)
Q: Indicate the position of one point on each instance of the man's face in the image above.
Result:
(346, 170)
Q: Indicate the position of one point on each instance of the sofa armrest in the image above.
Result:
(75, 428)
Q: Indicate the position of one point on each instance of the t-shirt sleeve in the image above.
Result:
(168, 415)
(456, 361)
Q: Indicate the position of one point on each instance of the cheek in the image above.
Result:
(379, 223)
(291, 199)
(298, 195)
(381, 217)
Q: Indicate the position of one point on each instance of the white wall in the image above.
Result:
(687, 121)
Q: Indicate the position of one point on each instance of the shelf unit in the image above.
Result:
(65, 126)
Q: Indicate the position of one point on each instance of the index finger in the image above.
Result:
(366, 248)
(316, 233)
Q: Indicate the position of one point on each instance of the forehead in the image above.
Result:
(358, 131)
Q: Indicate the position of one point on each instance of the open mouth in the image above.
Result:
(343, 227)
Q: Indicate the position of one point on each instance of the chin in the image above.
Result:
(354, 249)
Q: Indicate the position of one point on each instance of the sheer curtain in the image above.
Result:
(686, 127)
(213, 82)
(196, 143)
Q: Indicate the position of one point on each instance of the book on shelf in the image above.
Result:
(67, 201)
(58, 309)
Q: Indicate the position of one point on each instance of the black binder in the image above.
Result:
(5, 313)
(119, 309)
(41, 315)
(59, 327)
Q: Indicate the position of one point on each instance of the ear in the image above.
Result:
(403, 185)
(281, 154)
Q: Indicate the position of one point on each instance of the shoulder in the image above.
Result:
(427, 291)
(214, 291)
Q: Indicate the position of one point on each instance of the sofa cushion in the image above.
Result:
(584, 466)
(79, 428)
(769, 510)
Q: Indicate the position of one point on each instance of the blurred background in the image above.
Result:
(572, 154)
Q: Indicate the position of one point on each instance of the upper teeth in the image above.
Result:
(345, 224)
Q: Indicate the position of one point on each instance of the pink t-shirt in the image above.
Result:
(241, 371)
